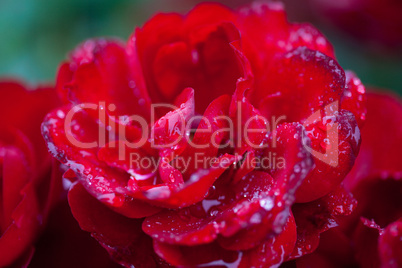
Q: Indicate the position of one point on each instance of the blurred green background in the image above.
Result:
(36, 35)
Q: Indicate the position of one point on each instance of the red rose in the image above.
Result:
(372, 235)
(166, 186)
(29, 186)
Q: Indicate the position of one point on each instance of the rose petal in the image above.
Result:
(203, 56)
(187, 227)
(208, 13)
(208, 255)
(335, 250)
(170, 175)
(251, 127)
(262, 43)
(63, 244)
(169, 133)
(390, 245)
(180, 228)
(354, 98)
(101, 73)
(274, 251)
(193, 190)
(104, 182)
(247, 220)
(335, 141)
(299, 83)
(213, 255)
(120, 236)
(379, 199)
(365, 238)
(16, 174)
(318, 216)
(268, 213)
(379, 153)
(20, 235)
(16, 102)
(212, 129)
(126, 156)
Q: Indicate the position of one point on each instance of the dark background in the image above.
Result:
(36, 35)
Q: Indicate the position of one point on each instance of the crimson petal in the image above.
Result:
(120, 236)
(201, 54)
(20, 235)
(170, 134)
(270, 253)
(318, 216)
(354, 98)
(390, 245)
(16, 98)
(101, 73)
(104, 182)
(273, 208)
(299, 83)
(263, 43)
(193, 190)
(335, 141)
(212, 129)
(379, 156)
(207, 255)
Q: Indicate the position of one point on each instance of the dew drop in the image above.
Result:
(112, 199)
